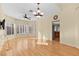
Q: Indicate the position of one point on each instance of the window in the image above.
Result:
(20, 29)
(12, 28)
(30, 29)
(9, 29)
(23, 29)
(17, 29)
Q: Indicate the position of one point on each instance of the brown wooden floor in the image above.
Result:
(27, 47)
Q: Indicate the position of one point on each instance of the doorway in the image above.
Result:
(56, 31)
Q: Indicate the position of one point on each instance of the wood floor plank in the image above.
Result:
(26, 46)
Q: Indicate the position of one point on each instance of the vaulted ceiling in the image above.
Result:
(18, 10)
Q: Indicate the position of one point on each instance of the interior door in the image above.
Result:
(56, 32)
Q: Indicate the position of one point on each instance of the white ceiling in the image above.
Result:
(17, 10)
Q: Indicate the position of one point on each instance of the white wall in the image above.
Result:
(69, 30)
(44, 27)
(69, 25)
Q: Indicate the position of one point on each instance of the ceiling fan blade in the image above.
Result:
(25, 16)
(30, 10)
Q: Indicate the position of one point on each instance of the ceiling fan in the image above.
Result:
(25, 16)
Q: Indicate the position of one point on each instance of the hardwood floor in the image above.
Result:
(26, 46)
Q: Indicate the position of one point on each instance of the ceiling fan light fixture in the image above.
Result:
(38, 16)
(38, 12)
(42, 13)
